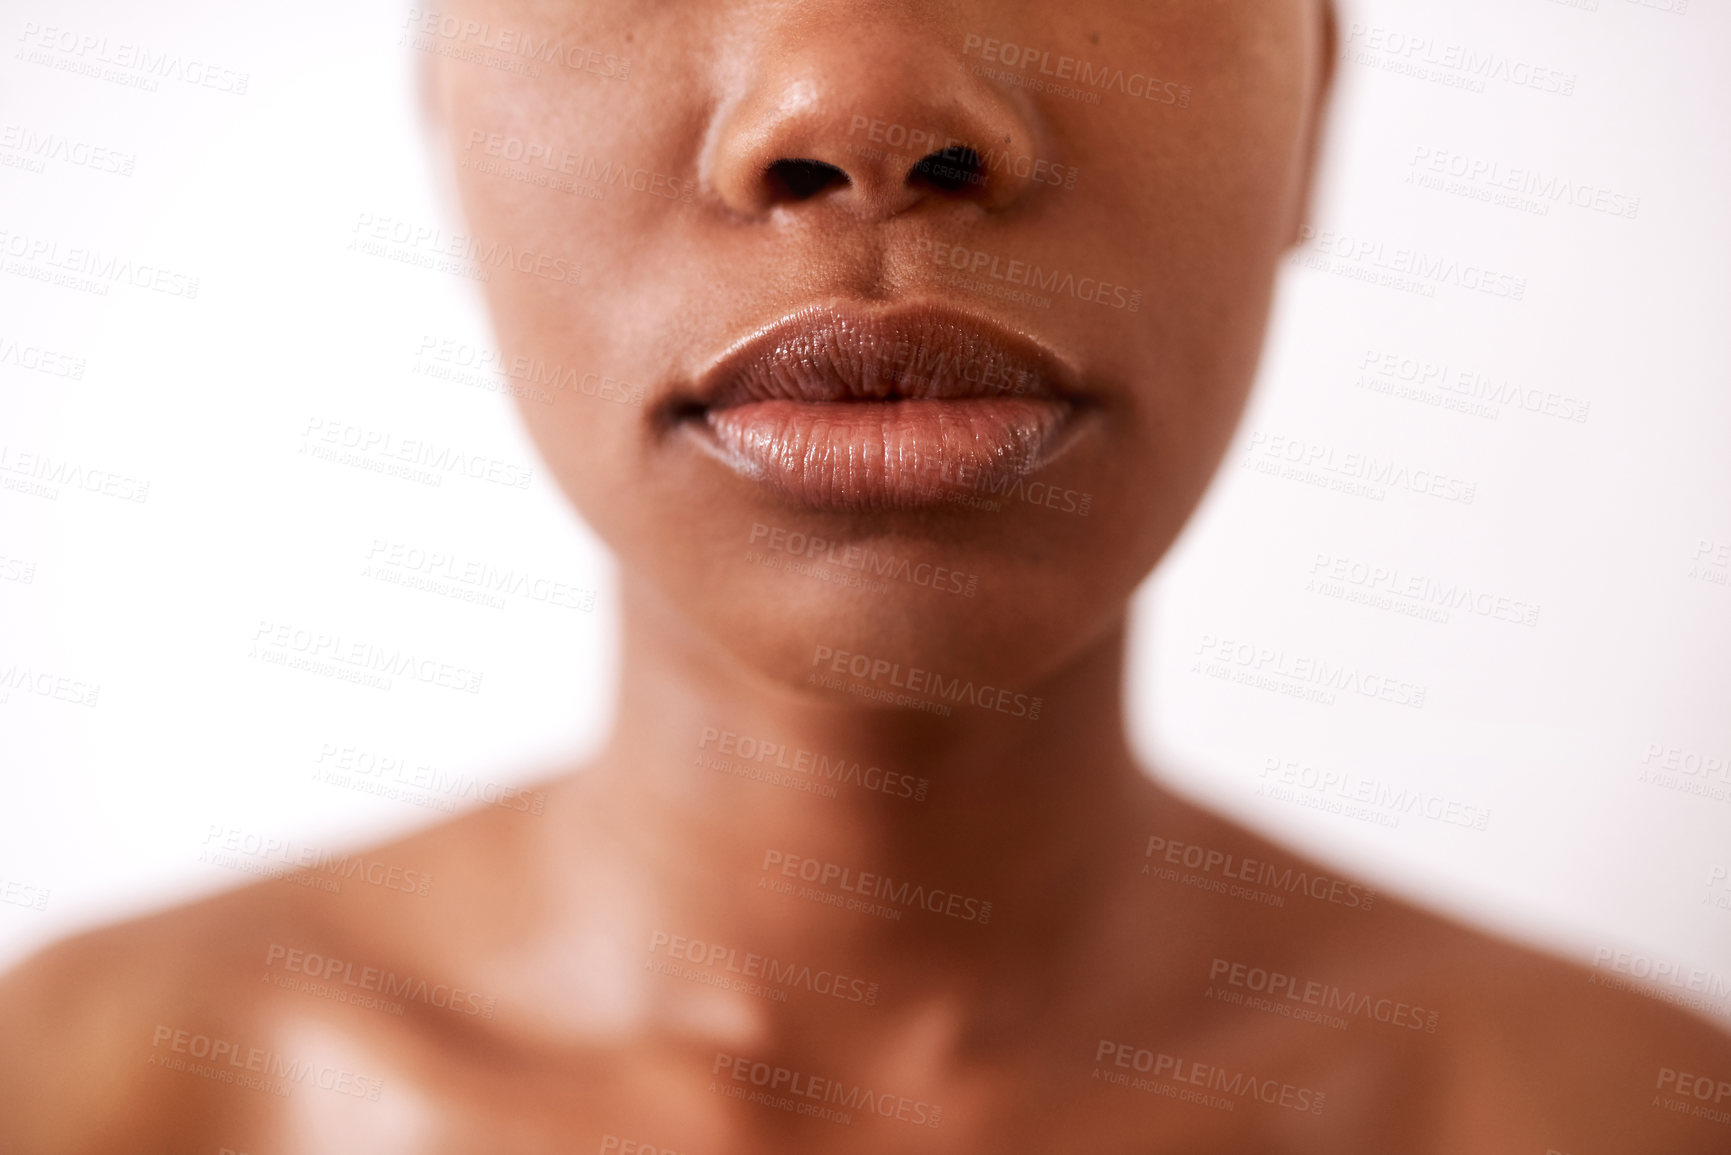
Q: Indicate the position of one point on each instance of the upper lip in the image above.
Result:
(834, 354)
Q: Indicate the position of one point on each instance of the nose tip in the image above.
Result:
(880, 134)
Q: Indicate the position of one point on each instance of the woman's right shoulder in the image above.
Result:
(95, 1028)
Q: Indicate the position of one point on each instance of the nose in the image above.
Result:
(879, 118)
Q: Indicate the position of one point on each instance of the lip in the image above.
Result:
(850, 409)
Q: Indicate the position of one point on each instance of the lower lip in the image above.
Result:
(887, 454)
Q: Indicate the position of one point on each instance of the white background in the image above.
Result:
(1545, 727)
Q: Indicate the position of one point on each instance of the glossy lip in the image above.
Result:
(846, 408)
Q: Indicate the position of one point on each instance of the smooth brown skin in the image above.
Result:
(553, 915)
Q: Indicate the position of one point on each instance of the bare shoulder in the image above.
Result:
(198, 1027)
(1595, 1066)
(87, 1033)
(1490, 1044)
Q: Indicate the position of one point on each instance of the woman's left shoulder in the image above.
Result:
(1579, 1056)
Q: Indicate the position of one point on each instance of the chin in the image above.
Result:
(820, 639)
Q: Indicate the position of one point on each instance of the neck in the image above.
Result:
(727, 787)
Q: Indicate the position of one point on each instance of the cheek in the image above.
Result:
(596, 171)
(587, 443)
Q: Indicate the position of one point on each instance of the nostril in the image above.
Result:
(803, 179)
(949, 170)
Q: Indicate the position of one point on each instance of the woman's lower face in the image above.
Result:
(915, 332)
